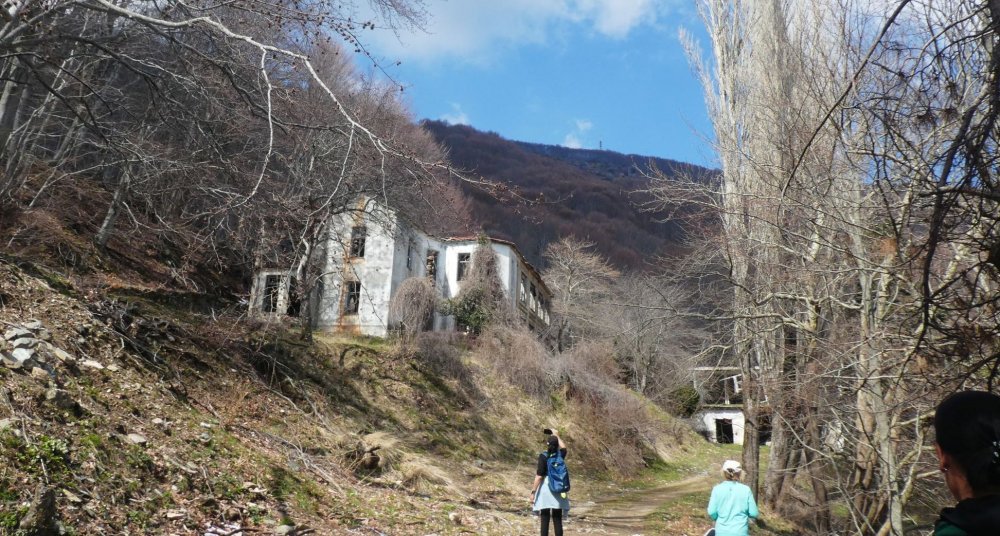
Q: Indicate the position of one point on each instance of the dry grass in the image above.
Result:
(442, 353)
(420, 475)
(517, 356)
(614, 429)
(375, 454)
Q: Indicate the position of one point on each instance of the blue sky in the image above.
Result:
(579, 73)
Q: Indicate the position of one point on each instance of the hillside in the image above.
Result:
(125, 410)
(593, 195)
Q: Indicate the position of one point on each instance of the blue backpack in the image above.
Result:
(558, 474)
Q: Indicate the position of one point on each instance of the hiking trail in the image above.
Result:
(627, 512)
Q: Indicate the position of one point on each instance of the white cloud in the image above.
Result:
(457, 116)
(574, 139)
(476, 30)
(616, 18)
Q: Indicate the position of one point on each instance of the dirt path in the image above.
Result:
(627, 512)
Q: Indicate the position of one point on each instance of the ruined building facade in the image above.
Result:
(369, 253)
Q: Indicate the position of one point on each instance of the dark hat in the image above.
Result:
(553, 443)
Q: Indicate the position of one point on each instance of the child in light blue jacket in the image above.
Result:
(732, 504)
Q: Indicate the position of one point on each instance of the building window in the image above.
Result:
(409, 256)
(294, 302)
(534, 298)
(524, 288)
(358, 241)
(464, 260)
(272, 286)
(352, 297)
(431, 267)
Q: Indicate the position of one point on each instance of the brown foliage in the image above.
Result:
(587, 194)
(442, 352)
(617, 421)
(517, 356)
(412, 305)
(618, 426)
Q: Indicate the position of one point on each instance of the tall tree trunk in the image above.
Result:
(751, 431)
(108, 225)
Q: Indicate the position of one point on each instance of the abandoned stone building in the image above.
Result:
(367, 256)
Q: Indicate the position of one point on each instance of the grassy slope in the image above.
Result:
(256, 432)
(247, 425)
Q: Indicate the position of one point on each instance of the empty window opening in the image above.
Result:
(791, 337)
(409, 256)
(294, 302)
(318, 293)
(764, 429)
(534, 298)
(272, 286)
(464, 259)
(431, 266)
(524, 288)
(724, 431)
(358, 235)
(352, 297)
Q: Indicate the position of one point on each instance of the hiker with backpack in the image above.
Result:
(548, 492)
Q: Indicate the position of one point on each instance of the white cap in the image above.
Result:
(732, 466)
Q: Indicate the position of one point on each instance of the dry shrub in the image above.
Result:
(590, 365)
(442, 353)
(41, 233)
(618, 426)
(482, 300)
(381, 455)
(618, 422)
(517, 356)
(615, 424)
(417, 474)
(374, 454)
(413, 304)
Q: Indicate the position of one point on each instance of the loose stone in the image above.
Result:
(93, 364)
(16, 333)
(40, 373)
(22, 355)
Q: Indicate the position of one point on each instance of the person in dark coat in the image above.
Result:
(967, 429)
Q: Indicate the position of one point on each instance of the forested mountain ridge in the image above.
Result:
(590, 194)
(611, 165)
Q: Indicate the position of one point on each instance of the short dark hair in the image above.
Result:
(967, 427)
(553, 443)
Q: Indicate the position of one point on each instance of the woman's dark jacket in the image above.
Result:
(979, 516)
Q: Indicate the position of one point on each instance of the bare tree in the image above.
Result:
(656, 342)
(189, 114)
(860, 156)
(413, 305)
(581, 282)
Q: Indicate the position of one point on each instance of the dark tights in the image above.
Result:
(556, 515)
